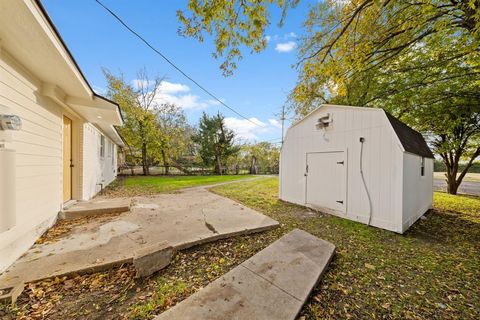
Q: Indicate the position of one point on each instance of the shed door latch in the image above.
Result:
(340, 162)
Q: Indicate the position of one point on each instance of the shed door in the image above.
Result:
(326, 180)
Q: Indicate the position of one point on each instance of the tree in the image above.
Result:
(234, 24)
(264, 156)
(154, 131)
(419, 60)
(139, 109)
(330, 24)
(215, 141)
(261, 157)
(175, 138)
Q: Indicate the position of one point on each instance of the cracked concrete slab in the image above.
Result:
(273, 284)
(180, 219)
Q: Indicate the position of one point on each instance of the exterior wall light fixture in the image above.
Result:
(10, 122)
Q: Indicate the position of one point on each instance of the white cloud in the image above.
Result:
(245, 129)
(137, 83)
(172, 88)
(185, 101)
(214, 102)
(275, 123)
(286, 46)
(252, 128)
(290, 35)
(268, 38)
(178, 94)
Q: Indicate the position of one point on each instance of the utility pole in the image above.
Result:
(283, 121)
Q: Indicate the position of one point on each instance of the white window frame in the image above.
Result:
(102, 146)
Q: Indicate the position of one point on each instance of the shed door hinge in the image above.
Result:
(340, 201)
(340, 162)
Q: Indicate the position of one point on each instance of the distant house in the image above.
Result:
(66, 145)
(358, 163)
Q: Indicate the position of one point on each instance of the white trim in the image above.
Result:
(57, 43)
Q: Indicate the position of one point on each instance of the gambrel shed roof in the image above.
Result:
(412, 141)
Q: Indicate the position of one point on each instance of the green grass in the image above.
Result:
(140, 185)
(432, 271)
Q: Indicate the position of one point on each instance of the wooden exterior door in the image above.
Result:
(67, 159)
(326, 180)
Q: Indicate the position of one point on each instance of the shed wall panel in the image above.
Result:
(417, 196)
(381, 157)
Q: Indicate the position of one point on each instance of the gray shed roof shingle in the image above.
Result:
(412, 141)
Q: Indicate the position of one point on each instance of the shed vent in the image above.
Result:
(324, 121)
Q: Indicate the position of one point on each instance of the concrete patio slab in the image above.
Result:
(96, 207)
(273, 284)
(149, 260)
(183, 219)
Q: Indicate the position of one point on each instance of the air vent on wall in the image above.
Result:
(323, 121)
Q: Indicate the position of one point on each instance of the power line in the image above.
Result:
(173, 64)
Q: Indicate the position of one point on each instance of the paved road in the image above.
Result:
(472, 188)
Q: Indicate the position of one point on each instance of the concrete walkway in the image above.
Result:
(273, 284)
(183, 219)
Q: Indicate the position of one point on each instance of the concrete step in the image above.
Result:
(91, 208)
(273, 284)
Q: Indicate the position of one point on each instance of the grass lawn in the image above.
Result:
(431, 272)
(141, 185)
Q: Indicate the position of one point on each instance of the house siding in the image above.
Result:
(38, 176)
(98, 171)
(38, 168)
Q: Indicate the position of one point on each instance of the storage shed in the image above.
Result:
(362, 164)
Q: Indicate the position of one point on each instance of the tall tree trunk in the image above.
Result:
(253, 167)
(145, 166)
(452, 186)
(165, 163)
(218, 166)
(452, 160)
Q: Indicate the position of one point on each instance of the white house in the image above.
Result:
(57, 137)
(358, 163)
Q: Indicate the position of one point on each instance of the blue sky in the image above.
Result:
(257, 89)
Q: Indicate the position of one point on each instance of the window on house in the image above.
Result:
(102, 146)
(422, 167)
